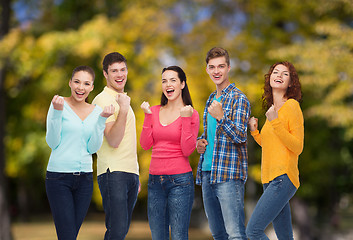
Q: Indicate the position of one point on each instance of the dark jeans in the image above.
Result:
(69, 197)
(170, 199)
(119, 193)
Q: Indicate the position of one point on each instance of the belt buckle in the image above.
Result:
(77, 173)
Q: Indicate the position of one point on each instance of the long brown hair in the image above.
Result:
(293, 91)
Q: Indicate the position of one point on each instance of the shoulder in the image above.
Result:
(155, 108)
(103, 98)
(195, 113)
(97, 108)
(292, 104)
(292, 109)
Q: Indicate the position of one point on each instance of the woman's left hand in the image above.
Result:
(108, 111)
(271, 113)
(186, 111)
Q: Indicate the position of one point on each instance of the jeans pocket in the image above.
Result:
(54, 176)
(89, 177)
(183, 179)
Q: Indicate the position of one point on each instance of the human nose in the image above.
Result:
(119, 73)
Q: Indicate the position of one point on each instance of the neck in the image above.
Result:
(175, 104)
(75, 103)
(278, 98)
(222, 86)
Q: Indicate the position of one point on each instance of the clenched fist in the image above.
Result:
(58, 102)
(146, 107)
(253, 123)
(216, 110)
(186, 111)
(201, 145)
(123, 100)
(108, 111)
(271, 113)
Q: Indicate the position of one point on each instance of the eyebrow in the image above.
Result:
(279, 70)
(169, 78)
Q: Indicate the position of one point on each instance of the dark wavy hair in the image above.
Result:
(293, 91)
(185, 94)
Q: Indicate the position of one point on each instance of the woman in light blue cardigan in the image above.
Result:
(75, 131)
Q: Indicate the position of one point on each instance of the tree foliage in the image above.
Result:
(315, 35)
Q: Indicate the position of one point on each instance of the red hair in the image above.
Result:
(293, 91)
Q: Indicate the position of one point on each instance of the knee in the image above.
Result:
(250, 232)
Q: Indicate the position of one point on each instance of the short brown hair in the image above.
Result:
(112, 58)
(217, 52)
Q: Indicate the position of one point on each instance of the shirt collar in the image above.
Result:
(111, 91)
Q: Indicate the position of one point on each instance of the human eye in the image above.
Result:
(87, 83)
(211, 67)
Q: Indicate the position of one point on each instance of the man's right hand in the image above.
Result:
(201, 145)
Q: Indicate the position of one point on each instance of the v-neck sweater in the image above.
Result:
(171, 144)
(73, 140)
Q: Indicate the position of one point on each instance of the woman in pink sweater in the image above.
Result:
(281, 139)
(171, 129)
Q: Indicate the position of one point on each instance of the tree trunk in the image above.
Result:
(5, 227)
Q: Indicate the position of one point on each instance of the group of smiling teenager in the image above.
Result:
(77, 129)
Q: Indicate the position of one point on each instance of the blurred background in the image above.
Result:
(42, 41)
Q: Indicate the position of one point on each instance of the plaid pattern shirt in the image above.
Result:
(230, 157)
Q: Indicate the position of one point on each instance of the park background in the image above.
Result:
(42, 41)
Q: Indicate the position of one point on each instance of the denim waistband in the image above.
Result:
(72, 173)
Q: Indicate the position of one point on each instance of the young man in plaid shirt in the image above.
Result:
(222, 170)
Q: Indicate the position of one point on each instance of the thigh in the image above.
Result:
(59, 192)
(231, 197)
(83, 196)
(132, 192)
(275, 197)
(180, 200)
(213, 209)
(157, 209)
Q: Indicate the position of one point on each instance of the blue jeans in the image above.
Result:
(273, 206)
(119, 194)
(69, 198)
(170, 199)
(224, 208)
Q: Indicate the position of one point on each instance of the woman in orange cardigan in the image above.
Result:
(281, 139)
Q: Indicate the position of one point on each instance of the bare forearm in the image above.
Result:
(115, 132)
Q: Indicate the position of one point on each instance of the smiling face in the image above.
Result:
(280, 78)
(81, 85)
(171, 85)
(218, 69)
(116, 76)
